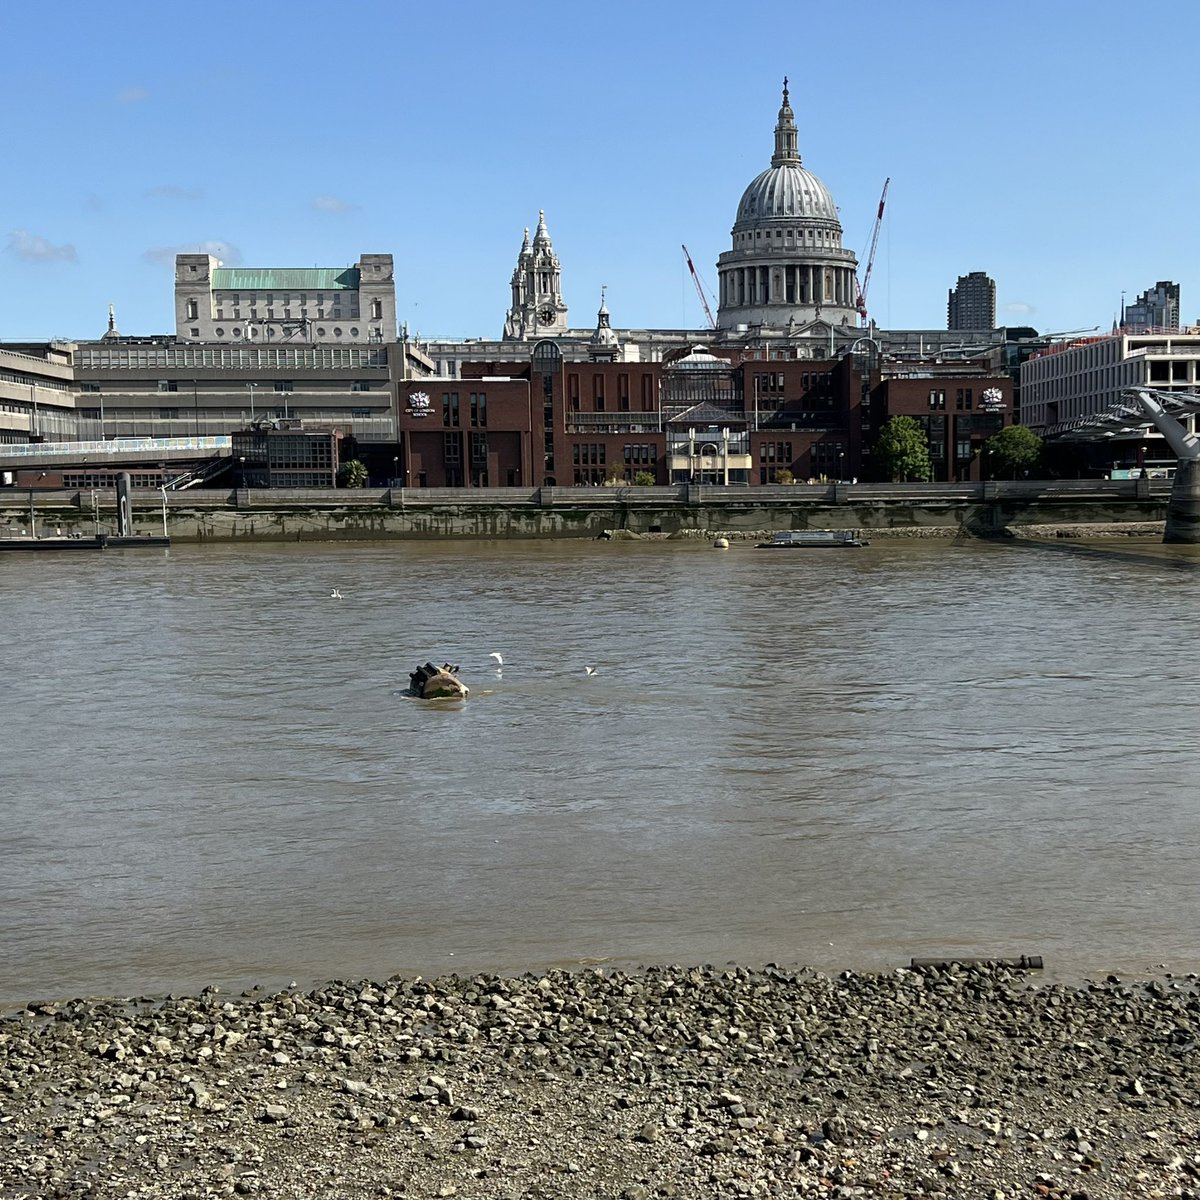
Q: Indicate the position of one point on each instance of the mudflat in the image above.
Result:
(669, 1081)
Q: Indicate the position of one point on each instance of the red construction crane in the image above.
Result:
(712, 321)
(860, 301)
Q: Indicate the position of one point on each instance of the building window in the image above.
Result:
(361, 385)
(452, 450)
(89, 387)
(478, 409)
(937, 399)
(963, 449)
(195, 332)
(168, 414)
(963, 398)
(450, 409)
(168, 385)
(284, 385)
(360, 412)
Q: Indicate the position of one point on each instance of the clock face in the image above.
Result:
(547, 314)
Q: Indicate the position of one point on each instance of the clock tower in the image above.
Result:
(537, 309)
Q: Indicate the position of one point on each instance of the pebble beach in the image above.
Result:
(946, 1080)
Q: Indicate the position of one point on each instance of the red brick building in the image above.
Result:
(958, 412)
(718, 417)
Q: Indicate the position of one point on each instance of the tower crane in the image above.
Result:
(712, 321)
(860, 301)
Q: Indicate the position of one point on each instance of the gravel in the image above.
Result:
(951, 1081)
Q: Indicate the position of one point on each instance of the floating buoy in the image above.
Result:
(722, 543)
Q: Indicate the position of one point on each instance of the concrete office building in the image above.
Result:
(37, 395)
(1155, 310)
(338, 306)
(1075, 379)
(972, 302)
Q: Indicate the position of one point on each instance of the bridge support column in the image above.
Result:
(1183, 509)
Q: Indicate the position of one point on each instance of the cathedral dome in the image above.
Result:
(787, 264)
(787, 190)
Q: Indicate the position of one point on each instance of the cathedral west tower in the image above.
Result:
(537, 308)
(787, 265)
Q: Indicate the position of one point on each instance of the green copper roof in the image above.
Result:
(285, 279)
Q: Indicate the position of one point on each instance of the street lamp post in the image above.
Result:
(163, 489)
(251, 387)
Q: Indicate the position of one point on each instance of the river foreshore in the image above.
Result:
(664, 1082)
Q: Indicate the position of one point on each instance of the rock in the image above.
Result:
(716, 1081)
(437, 683)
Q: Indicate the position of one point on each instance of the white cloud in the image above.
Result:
(131, 95)
(32, 248)
(332, 204)
(164, 256)
(1019, 308)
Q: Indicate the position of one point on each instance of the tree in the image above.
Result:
(902, 452)
(352, 474)
(784, 475)
(644, 479)
(1014, 449)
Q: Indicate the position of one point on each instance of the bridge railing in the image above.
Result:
(117, 447)
(840, 494)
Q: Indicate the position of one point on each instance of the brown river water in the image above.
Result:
(842, 758)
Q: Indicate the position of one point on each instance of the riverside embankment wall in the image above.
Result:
(972, 509)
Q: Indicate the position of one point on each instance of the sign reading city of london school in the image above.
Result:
(418, 404)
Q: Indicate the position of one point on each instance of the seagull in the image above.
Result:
(335, 594)
(590, 670)
(499, 659)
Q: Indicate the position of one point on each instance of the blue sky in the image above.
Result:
(1049, 144)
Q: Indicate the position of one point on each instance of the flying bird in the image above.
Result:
(590, 670)
(335, 594)
(499, 659)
